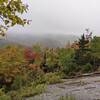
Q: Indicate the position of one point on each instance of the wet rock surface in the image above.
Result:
(86, 88)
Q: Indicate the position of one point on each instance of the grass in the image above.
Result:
(32, 90)
(53, 78)
(35, 88)
(24, 92)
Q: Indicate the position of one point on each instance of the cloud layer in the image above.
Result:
(62, 16)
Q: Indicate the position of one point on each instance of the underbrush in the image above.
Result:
(24, 92)
(32, 90)
(53, 78)
(36, 87)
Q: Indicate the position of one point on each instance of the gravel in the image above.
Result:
(85, 88)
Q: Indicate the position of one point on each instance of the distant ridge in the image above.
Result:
(47, 40)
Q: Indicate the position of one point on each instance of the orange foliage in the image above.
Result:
(75, 45)
(29, 55)
(34, 66)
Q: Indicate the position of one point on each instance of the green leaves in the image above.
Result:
(10, 11)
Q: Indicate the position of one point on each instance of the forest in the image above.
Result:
(26, 72)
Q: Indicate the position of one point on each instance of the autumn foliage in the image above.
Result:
(20, 66)
(29, 55)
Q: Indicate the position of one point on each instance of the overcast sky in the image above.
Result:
(61, 17)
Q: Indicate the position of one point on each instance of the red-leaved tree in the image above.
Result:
(29, 55)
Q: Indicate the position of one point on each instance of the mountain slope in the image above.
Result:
(47, 40)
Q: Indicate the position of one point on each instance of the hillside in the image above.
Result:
(46, 40)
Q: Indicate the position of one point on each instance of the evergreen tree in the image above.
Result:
(82, 54)
(83, 43)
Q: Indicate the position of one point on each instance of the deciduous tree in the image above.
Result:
(10, 11)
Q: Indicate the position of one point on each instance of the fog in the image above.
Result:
(61, 17)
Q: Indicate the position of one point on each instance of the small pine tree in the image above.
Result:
(83, 43)
(82, 52)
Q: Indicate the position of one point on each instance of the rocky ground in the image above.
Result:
(85, 88)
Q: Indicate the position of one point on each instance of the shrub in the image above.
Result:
(29, 55)
(37, 76)
(11, 64)
(70, 68)
(2, 92)
(48, 78)
(14, 95)
(40, 88)
(52, 78)
(40, 79)
(5, 97)
(17, 84)
(32, 90)
(87, 68)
